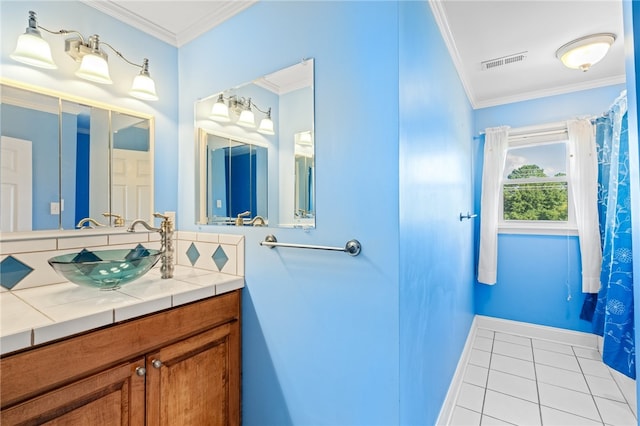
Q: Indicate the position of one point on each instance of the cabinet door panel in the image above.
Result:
(112, 397)
(206, 367)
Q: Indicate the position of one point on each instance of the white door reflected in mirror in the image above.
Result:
(16, 177)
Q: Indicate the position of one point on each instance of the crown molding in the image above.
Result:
(206, 22)
(554, 91)
(211, 20)
(437, 8)
(445, 30)
(120, 13)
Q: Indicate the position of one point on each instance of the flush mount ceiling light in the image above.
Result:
(586, 51)
(33, 50)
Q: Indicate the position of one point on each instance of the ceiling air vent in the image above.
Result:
(505, 60)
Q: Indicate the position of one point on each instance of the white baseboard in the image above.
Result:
(541, 332)
(446, 411)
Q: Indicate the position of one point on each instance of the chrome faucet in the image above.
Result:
(258, 221)
(118, 220)
(166, 242)
(89, 222)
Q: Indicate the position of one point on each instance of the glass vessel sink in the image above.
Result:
(105, 269)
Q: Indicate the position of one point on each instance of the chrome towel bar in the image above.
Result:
(352, 248)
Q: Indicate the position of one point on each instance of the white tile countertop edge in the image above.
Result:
(37, 315)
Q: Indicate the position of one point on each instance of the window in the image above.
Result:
(535, 193)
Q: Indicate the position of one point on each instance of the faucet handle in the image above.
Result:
(161, 216)
(239, 220)
(118, 220)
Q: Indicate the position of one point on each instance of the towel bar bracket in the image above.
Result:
(467, 216)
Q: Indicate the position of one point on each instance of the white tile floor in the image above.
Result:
(515, 380)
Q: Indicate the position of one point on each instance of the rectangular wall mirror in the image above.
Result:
(255, 150)
(65, 159)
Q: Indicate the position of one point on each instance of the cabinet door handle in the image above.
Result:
(141, 371)
(156, 363)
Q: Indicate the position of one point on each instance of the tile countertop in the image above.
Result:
(41, 314)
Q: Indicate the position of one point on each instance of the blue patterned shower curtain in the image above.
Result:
(613, 315)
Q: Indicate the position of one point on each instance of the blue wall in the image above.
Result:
(538, 276)
(436, 248)
(132, 138)
(320, 342)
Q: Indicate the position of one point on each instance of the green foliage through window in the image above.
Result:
(536, 196)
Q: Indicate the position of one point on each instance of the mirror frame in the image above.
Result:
(66, 97)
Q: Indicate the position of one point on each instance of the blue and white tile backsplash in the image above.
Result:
(23, 262)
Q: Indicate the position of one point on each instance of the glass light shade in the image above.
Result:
(32, 49)
(220, 112)
(144, 88)
(304, 138)
(266, 127)
(247, 119)
(94, 68)
(583, 53)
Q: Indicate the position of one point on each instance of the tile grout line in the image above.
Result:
(621, 392)
(588, 386)
(486, 382)
(535, 375)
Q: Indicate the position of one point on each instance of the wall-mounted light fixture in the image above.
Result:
(243, 109)
(33, 50)
(586, 51)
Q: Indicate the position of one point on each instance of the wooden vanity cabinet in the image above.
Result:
(177, 367)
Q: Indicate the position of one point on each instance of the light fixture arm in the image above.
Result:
(268, 112)
(94, 42)
(61, 32)
(33, 50)
(246, 103)
(144, 66)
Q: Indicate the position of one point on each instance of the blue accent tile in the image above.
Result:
(138, 252)
(220, 258)
(85, 256)
(193, 254)
(12, 271)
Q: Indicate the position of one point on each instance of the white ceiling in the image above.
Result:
(474, 31)
(175, 22)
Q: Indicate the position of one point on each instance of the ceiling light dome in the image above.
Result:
(584, 52)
